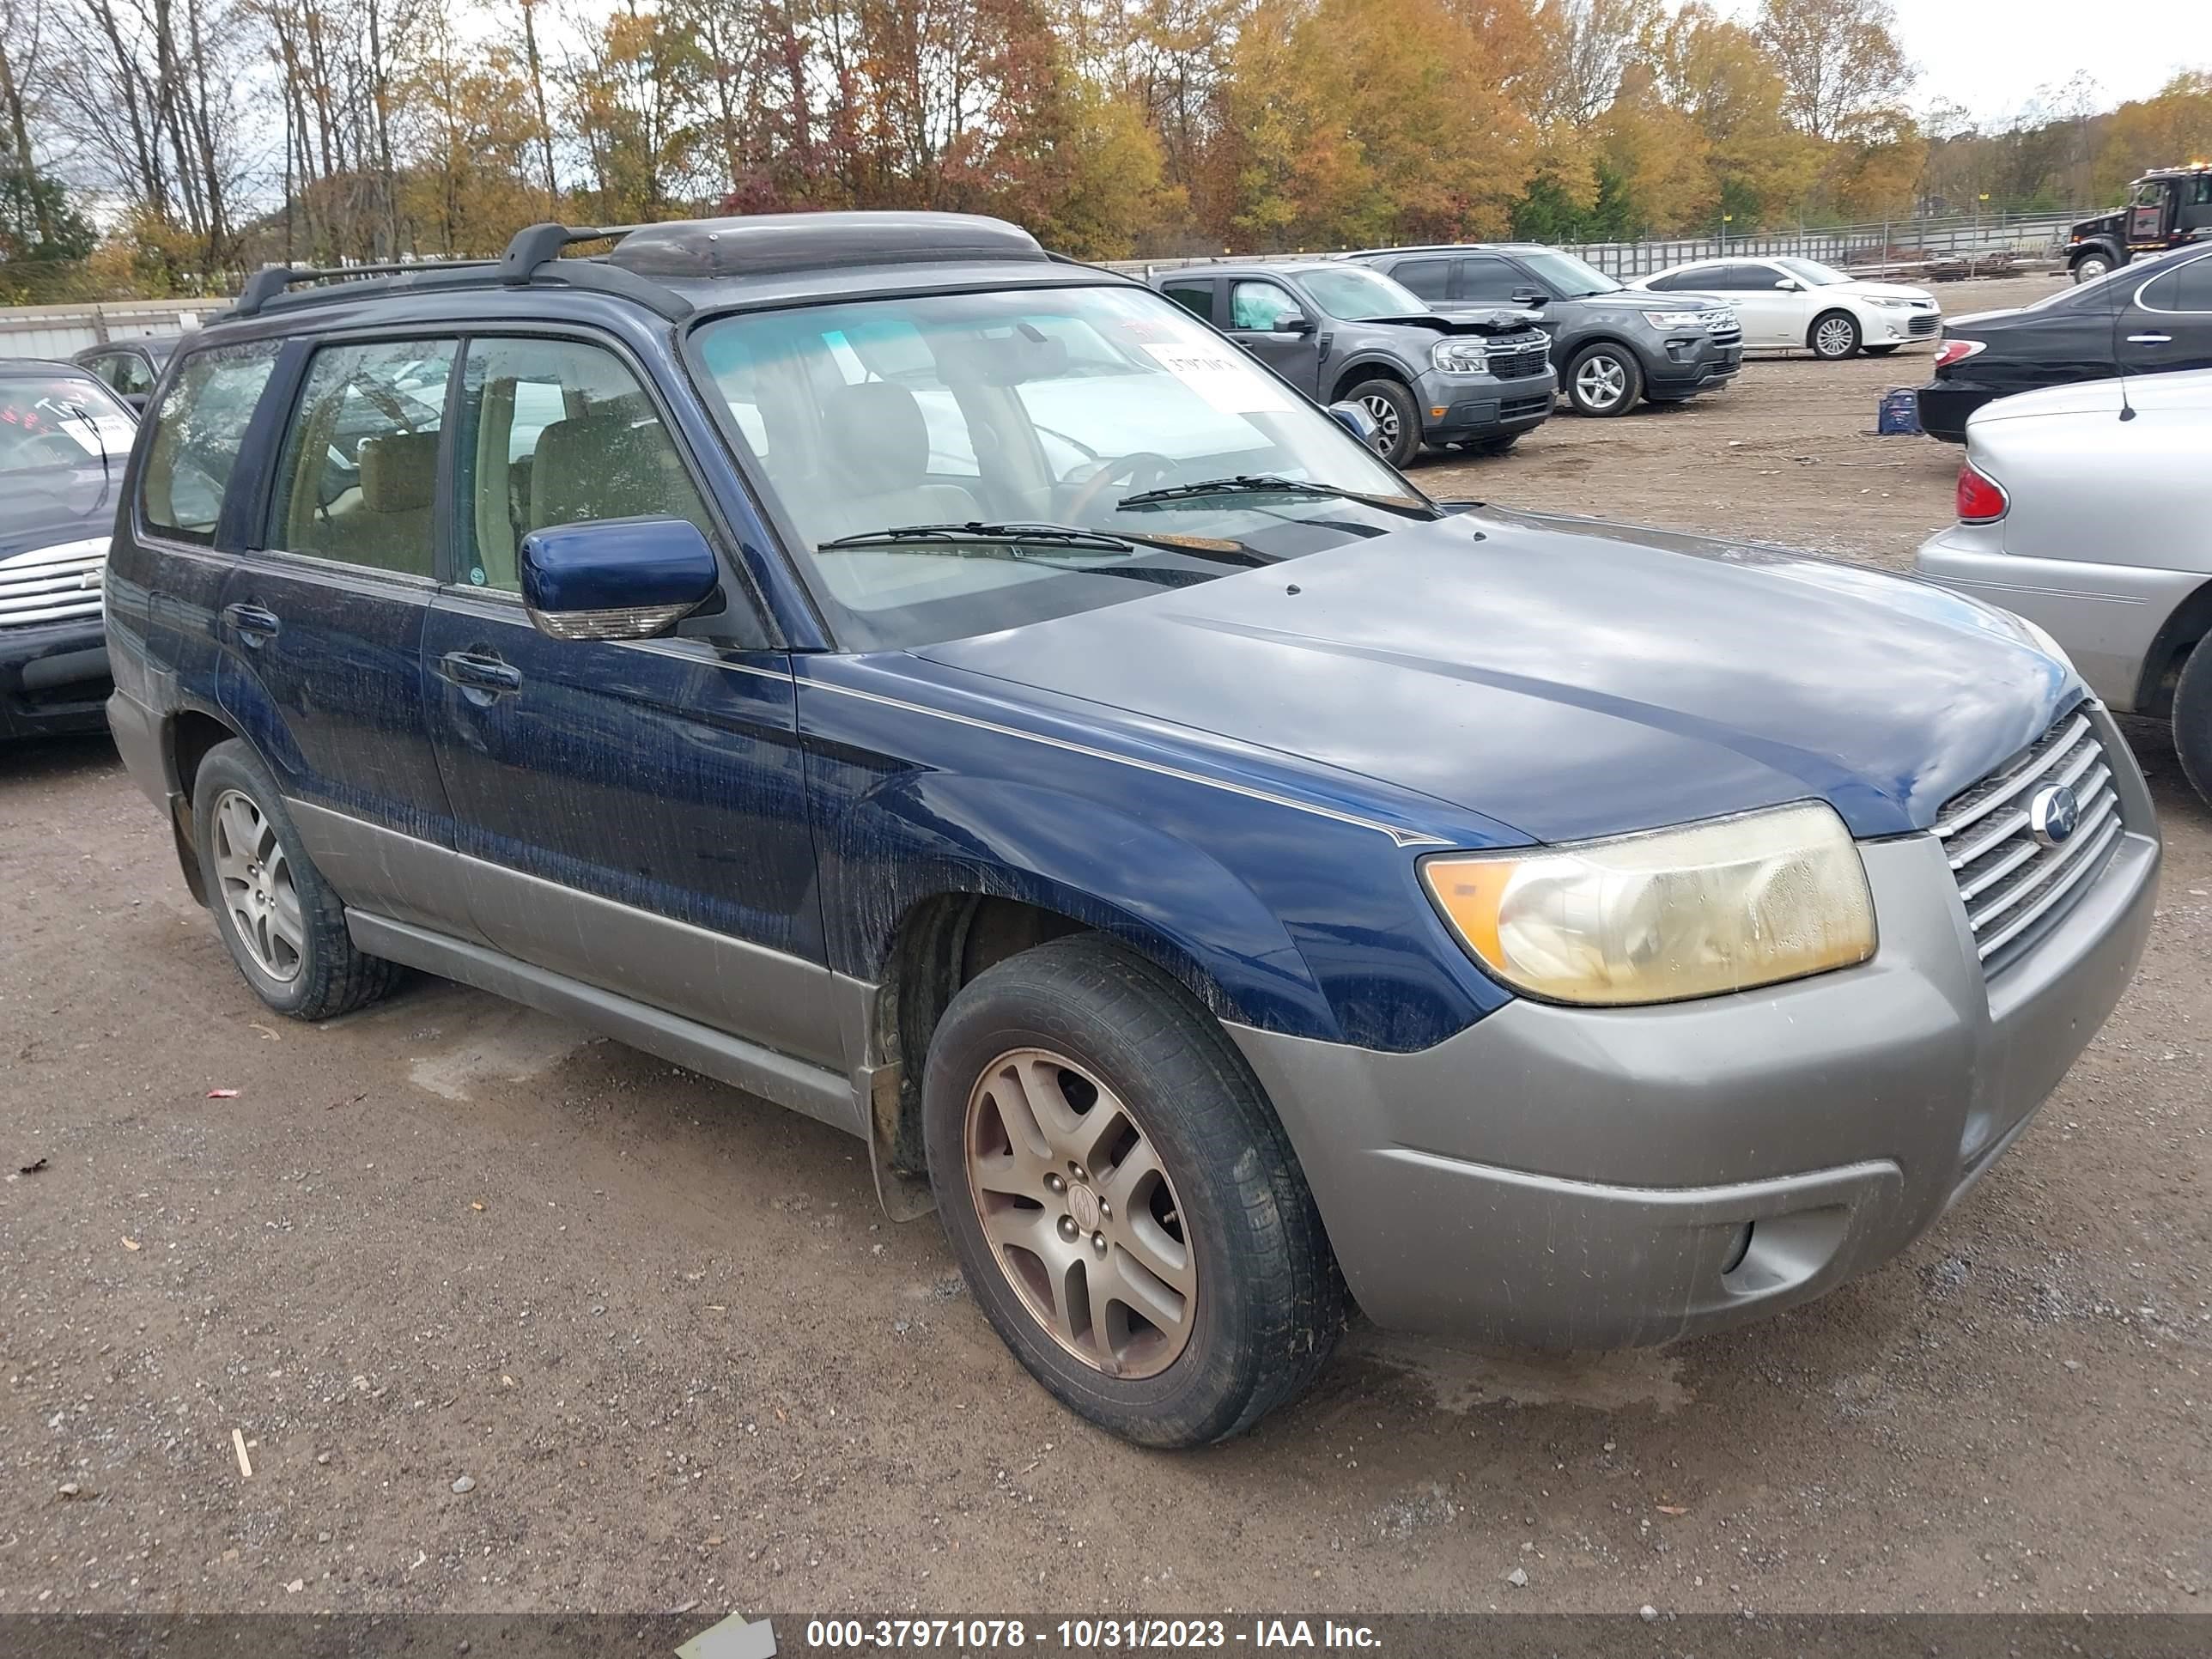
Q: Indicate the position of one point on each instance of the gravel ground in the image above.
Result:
(506, 1317)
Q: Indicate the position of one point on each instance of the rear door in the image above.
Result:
(2169, 323)
(1258, 306)
(320, 622)
(636, 811)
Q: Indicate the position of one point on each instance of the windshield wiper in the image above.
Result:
(1260, 484)
(1008, 539)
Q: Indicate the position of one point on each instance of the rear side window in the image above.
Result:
(1197, 298)
(1429, 278)
(556, 432)
(359, 475)
(127, 371)
(2187, 288)
(196, 434)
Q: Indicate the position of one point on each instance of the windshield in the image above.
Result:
(1813, 273)
(1352, 294)
(60, 420)
(1573, 278)
(1029, 406)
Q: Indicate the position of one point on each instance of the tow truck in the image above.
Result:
(2166, 208)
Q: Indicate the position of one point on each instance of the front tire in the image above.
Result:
(283, 924)
(1882, 351)
(1834, 336)
(1396, 416)
(1604, 379)
(1125, 1205)
(2090, 267)
(2192, 719)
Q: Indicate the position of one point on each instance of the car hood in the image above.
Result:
(1887, 290)
(1569, 677)
(1646, 299)
(1463, 319)
(41, 506)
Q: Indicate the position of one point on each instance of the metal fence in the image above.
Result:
(62, 330)
(1901, 246)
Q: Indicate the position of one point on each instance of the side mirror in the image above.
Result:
(1355, 419)
(1529, 296)
(1293, 322)
(1789, 284)
(615, 579)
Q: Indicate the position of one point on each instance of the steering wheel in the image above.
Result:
(1144, 468)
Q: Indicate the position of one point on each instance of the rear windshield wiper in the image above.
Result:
(1251, 484)
(1008, 540)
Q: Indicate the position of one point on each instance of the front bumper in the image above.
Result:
(1480, 407)
(53, 679)
(1687, 363)
(1945, 405)
(1584, 1178)
(1885, 327)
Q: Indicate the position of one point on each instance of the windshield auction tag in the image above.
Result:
(1224, 379)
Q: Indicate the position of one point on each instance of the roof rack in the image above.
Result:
(531, 256)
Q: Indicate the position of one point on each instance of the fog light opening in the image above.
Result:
(1738, 1249)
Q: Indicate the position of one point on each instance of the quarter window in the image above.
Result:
(360, 469)
(556, 432)
(196, 434)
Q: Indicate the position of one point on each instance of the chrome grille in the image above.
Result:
(1732, 335)
(1922, 324)
(2013, 884)
(54, 584)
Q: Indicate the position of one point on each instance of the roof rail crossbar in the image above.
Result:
(536, 246)
(265, 284)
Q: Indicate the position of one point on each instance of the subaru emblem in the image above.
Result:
(2053, 814)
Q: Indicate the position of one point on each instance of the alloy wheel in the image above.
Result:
(2090, 269)
(1834, 337)
(1079, 1213)
(1601, 382)
(1386, 421)
(258, 891)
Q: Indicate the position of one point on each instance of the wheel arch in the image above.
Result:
(1822, 315)
(1368, 369)
(187, 736)
(2188, 626)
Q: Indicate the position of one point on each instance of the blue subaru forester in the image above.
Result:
(954, 693)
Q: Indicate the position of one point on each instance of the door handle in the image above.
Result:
(252, 623)
(2150, 339)
(480, 674)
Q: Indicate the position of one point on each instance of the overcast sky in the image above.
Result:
(1991, 55)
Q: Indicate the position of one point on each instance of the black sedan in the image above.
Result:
(2146, 317)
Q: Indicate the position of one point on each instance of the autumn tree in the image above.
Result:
(2172, 128)
(1839, 59)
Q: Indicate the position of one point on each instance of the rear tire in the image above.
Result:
(1392, 406)
(1604, 380)
(2192, 719)
(283, 924)
(1834, 336)
(1088, 1123)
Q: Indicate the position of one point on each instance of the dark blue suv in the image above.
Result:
(954, 693)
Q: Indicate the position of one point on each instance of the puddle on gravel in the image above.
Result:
(1461, 1379)
(507, 1045)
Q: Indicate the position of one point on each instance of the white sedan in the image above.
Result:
(1806, 304)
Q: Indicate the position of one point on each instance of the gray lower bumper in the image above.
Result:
(1581, 1178)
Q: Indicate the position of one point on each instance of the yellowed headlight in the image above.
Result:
(1694, 912)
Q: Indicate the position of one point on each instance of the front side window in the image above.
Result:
(359, 468)
(1353, 294)
(1260, 305)
(556, 432)
(1486, 277)
(1570, 277)
(1073, 401)
(198, 430)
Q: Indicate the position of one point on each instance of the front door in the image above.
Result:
(635, 812)
(1769, 302)
(321, 625)
(1257, 311)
